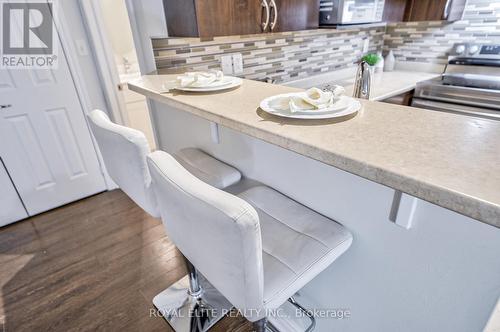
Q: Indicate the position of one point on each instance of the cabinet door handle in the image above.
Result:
(275, 19)
(265, 5)
(447, 8)
(5, 106)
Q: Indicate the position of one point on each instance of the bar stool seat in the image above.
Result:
(207, 168)
(297, 243)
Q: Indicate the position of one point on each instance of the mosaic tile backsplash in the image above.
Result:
(431, 42)
(291, 55)
(279, 56)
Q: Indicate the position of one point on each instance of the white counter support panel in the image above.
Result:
(214, 132)
(403, 209)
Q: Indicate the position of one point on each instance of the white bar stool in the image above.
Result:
(257, 249)
(124, 151)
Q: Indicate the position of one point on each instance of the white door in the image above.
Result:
(11, 207)
(44, 139)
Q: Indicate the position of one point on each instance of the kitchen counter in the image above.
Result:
(390, 84)
(384, 84)
(446, 159)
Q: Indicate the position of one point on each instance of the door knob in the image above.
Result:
(5, 106)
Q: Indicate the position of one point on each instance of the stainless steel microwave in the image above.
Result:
(350, 11)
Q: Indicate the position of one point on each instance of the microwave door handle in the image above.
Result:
(265, 5)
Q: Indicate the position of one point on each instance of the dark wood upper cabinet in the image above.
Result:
(423, 10)
(181, 18)
(228, 17)
(209, 18)
(295, 15)
(394, 10)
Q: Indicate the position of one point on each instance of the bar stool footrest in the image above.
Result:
(184, 312)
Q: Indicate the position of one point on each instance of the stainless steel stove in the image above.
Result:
(470, 84)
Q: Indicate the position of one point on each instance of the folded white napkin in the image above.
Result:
(315, 99)
(199, 79)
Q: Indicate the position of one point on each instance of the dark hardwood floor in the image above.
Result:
(93, 265)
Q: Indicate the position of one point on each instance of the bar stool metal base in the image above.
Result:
(189, 313)
(306, 322)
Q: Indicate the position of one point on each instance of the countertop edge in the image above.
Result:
(394, 93)
(485, 212)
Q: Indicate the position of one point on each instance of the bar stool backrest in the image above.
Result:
(218, 232)
(124, 151)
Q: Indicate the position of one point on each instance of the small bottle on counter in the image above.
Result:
(379, 66)
(390, 61)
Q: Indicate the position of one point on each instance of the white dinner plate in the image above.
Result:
(227, 82)
(345, 106)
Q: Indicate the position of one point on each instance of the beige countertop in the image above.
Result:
(450, 160)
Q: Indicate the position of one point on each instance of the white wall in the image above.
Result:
(74, 27)
(116, 22)
(147, 19)
(81, 48)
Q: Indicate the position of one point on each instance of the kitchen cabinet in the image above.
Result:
(138, 114)
(394, 10)
(423, 10)
(403, 99)
(11, 206)
(209, 18)
(291, 15)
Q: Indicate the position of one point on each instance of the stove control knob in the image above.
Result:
(473, 49)
(460, 49)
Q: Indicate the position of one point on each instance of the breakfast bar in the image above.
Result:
(451, 166)
(415, 187)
